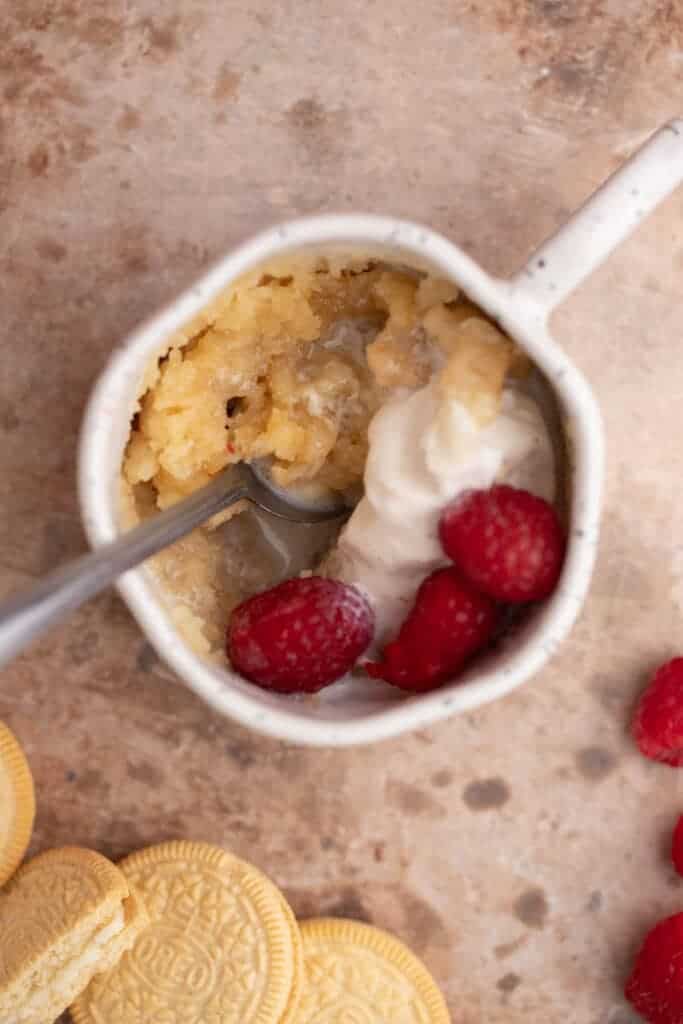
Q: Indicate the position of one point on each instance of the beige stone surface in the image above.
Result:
(520, 850)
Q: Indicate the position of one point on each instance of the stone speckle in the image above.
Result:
(51, 250)
(128, 120)
(444, 777)
(531, 908)
(38, 160)
(595, 763)
(226, 85)
(486, 794)
(412, 800)
(145, 772)
(508, 983)
(594, 901)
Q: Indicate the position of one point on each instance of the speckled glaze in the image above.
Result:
(522, 306)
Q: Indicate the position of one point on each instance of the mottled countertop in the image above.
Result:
(521, 850)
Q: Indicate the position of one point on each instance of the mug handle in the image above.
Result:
(605, 219)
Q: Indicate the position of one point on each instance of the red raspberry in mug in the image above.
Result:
(658, 720)
(655, 988)
(449, 622)
(301, 635)
(507, 542)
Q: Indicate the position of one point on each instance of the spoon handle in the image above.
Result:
(28, 614)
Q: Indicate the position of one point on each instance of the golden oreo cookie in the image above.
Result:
(290, 1016)
(17, 804)
(223, 947)
(65, 915)
(358, 973)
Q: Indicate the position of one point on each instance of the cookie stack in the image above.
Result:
(64, 915)
(180, 932)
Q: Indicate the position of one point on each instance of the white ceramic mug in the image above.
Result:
(351, 713)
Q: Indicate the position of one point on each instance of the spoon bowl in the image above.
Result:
(304, 503)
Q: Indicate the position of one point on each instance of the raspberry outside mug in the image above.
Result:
(353, 712)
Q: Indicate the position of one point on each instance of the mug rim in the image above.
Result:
(520, 318)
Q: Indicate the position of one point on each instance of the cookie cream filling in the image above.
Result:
(63, 986)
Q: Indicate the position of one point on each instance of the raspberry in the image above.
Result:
(507, 542)
(301, 635)
(655, 988)
(449, 622)
(658, 721)
(677, 846)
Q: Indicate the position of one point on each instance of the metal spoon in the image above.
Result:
(27, 615)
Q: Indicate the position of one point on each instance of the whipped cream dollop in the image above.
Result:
(425, 451)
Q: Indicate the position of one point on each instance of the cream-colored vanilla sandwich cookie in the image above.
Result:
(223, 947)
(66, 915)
(17, 804)
(358, 973)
